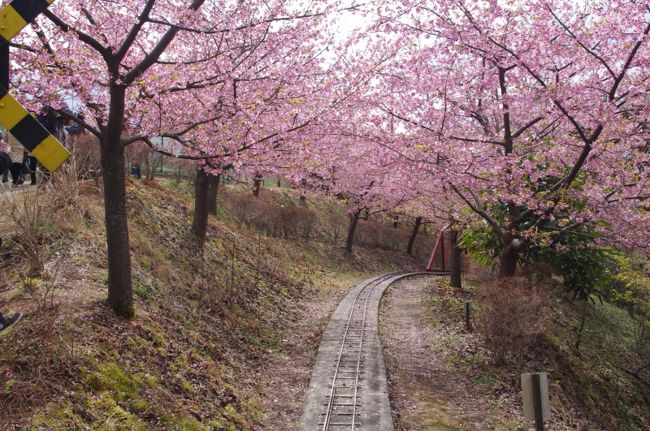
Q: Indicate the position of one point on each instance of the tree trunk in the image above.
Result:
(200, 222)
(147, 169)
(583, 320)
(257, 184)
(120, 289)
(354, 220)
(279, 183)
(414, 234)
(213, 191)
(508, 259)
(395, 222)
(454, 260)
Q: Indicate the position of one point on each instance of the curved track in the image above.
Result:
(348, 388)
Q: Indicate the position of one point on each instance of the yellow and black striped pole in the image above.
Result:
(23, 126)
(16, 15)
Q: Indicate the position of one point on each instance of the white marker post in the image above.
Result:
(534, 388)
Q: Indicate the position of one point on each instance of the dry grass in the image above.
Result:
(288, 222)
(38, 360)
(589, 390)
(280, 213)
(26, 213)
(512, 316)
(205, 320)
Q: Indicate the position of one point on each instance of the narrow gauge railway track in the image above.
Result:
(348, 390)
(343, 401)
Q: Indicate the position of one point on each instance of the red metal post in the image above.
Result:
(436, 247)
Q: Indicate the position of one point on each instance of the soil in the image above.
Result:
(425, 395)
(284, 379)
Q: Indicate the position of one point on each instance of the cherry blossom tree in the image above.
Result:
(145, 69)
(533, 113)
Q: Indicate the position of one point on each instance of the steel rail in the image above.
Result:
(356, 381)
(367, 289)
(374, 282)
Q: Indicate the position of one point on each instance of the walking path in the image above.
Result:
(348, 388)
(429, 389)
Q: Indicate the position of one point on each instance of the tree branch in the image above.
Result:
(497, 228)
(157, 51)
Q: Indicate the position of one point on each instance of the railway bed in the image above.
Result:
(348, 389)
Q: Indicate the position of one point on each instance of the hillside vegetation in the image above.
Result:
(206, 322)
(225, 339)
(444, 377)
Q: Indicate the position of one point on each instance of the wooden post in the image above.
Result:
(259, 254)
(468, 316)
(232, 260)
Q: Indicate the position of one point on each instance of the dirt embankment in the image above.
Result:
(444, 378)
(222, 340)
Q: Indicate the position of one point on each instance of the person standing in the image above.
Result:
(5, 157)
(29, 166)
(75, 131)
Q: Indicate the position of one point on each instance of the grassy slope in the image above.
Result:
(589, 390)
(203, 322)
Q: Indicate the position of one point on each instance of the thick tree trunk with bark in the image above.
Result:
(508, 258)
(454, 260)
(414, 234)
(120, 290)
(179, 172)
(200, 222)
(354, 220)
(257, 185)
(213, 192)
